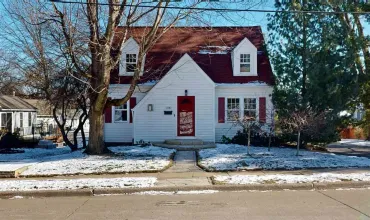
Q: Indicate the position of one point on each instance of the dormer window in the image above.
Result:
(130, 63)
(244, 59)
(245, 63)
(129, 58)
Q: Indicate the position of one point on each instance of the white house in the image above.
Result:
(16, 115)
(192, 79)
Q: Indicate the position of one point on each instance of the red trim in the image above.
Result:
(132, 105)
(185, 108)
(262, 109)
(108, 115)
(221, 110)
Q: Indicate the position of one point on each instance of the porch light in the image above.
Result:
(186, 92)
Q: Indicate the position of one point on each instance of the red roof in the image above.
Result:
(194, 41)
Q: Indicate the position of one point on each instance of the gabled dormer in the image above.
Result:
(129, 58)
(244, 59)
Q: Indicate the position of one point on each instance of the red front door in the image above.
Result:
(185, 115)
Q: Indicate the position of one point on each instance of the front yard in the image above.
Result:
(60, 161)
(234, 157)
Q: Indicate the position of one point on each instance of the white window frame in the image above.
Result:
(250, 109)
(241, 106)
(130, 62)
(244, 61)
(128, 113)
(29, 122)
(21, 120)
(11, 126)
(227, 109)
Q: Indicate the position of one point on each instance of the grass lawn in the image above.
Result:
(230, 157)
(60, 161)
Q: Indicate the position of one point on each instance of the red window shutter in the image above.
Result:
(132, 105)
(262, 109)
(221, 110)
(108, 115)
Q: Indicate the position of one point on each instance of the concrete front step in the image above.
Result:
(183, 142)
(186, 147)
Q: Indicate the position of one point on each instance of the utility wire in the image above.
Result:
(218, 9)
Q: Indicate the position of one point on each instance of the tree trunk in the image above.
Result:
(304, 55)
(96, 135)
(249, 140)
(269, 146)
(298, 142)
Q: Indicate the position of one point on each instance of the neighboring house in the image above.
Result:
(45, 119)
(192, 80)
(16, 115)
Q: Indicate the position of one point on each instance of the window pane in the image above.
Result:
(117, 115)
(29, 119)
(130, 67)
(3, 120)
(120, 115)
(124, 106)
(250, 103)
(131, 58)
(245, 67)
(250, 113)
(233, 107)
(21, 120)
(124, 115)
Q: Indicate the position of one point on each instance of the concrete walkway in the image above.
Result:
(185, 161)
(351, 148)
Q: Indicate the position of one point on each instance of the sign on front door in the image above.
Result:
(186, 115)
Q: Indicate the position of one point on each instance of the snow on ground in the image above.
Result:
(61, 161)
(70, 184)
(234, 157)
(291, 178)
(355, 142)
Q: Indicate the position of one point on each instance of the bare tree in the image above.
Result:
(37, 56)
(248, 124)
(103, 23)
(70, 102)
(304, 121)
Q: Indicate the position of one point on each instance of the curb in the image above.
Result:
(47, 193)
(225, 188)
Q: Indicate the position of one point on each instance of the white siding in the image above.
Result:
(185, 75)
(227, 128)
(122, 131)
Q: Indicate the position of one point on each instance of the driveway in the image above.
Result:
(351, 147)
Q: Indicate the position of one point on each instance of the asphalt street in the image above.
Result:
(329, 204)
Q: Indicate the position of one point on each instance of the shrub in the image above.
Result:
(226, 140)
(10, 140)
(257, 139)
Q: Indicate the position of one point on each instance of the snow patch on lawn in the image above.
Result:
(127, 159)
(61, 161)
(290, 178)
(235, 157)
(71, 184)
